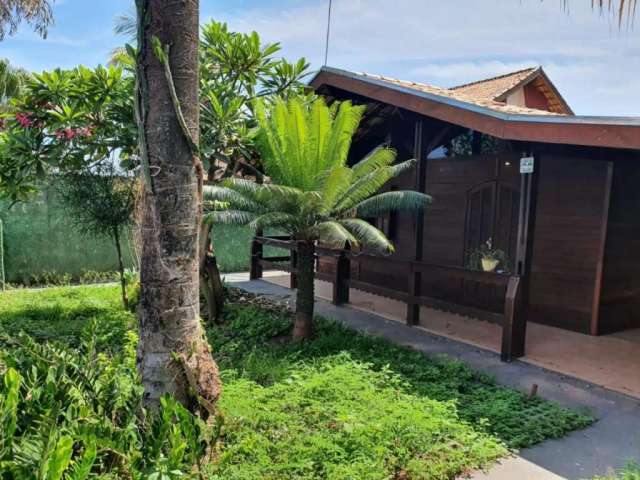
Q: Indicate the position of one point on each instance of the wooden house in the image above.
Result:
(504, 159)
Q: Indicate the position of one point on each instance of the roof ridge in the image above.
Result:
(497, 77)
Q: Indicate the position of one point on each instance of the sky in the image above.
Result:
(595, 65)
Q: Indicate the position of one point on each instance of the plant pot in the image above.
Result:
(489, 264)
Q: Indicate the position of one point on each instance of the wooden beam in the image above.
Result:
(415, 277)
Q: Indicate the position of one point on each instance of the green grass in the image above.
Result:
(245, 343)
(343, 406)
(60, 313)
(630, 472)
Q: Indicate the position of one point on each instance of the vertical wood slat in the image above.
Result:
(415, 278)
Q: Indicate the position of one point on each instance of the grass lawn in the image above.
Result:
(343, 406)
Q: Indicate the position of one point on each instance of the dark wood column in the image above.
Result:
(515, 328)
(415, 278)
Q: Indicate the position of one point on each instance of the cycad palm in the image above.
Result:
(312, 194)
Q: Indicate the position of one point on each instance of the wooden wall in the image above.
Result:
(620, 294)
(450, 181)
(585, 241)
(568, 239)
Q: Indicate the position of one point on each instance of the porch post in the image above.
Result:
(415, 277)
(514, 329)
(341, 279)
(293, 279)
(515, 324)
(257, 250)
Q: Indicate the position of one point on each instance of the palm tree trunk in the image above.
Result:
(173, 354)
(303, 323)
(123, 285)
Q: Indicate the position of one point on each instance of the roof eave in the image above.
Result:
(505, 118)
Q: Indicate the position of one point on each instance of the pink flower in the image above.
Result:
(84, 131)
(24, 120)
(69, 133)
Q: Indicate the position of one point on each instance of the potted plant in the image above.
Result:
(488, 259)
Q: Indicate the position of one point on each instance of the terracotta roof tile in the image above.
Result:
(476, 98)
(495, 87)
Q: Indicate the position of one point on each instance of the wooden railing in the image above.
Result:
(510, 316)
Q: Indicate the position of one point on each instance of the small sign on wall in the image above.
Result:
(526, 165)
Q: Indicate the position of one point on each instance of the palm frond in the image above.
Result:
(333, 234)
(320, 120)
(334, 185)
(345, 124)
(368, 236)
(240, 185)
(370, 184)
(230, 217)
(296, 143)
(403, 200)
(280, 220)
(379, 157)
(233, 198)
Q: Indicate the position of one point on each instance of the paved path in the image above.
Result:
(609, 443)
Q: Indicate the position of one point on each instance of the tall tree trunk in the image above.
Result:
(210, 280)
(123, 284)
(173, 354)
(305, 297)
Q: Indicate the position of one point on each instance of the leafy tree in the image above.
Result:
(66, 122)
(101, 202)
(235, 69)
(313, 195)
(35, 12)
(173, 353)
(12, 81)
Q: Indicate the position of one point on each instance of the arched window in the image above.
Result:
(492, 213)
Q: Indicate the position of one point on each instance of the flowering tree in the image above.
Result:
(66, 121)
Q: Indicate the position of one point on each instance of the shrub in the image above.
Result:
(75, 412)
(93, 276)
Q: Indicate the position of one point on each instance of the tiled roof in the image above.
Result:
(494, 88)
(462, 96)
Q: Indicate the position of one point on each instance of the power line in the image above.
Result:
(326, 49)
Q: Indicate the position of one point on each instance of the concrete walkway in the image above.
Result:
(608, 444)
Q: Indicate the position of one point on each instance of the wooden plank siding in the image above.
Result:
(620, 292)
(568, 241)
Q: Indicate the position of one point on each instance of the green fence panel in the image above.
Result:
(40, 237)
